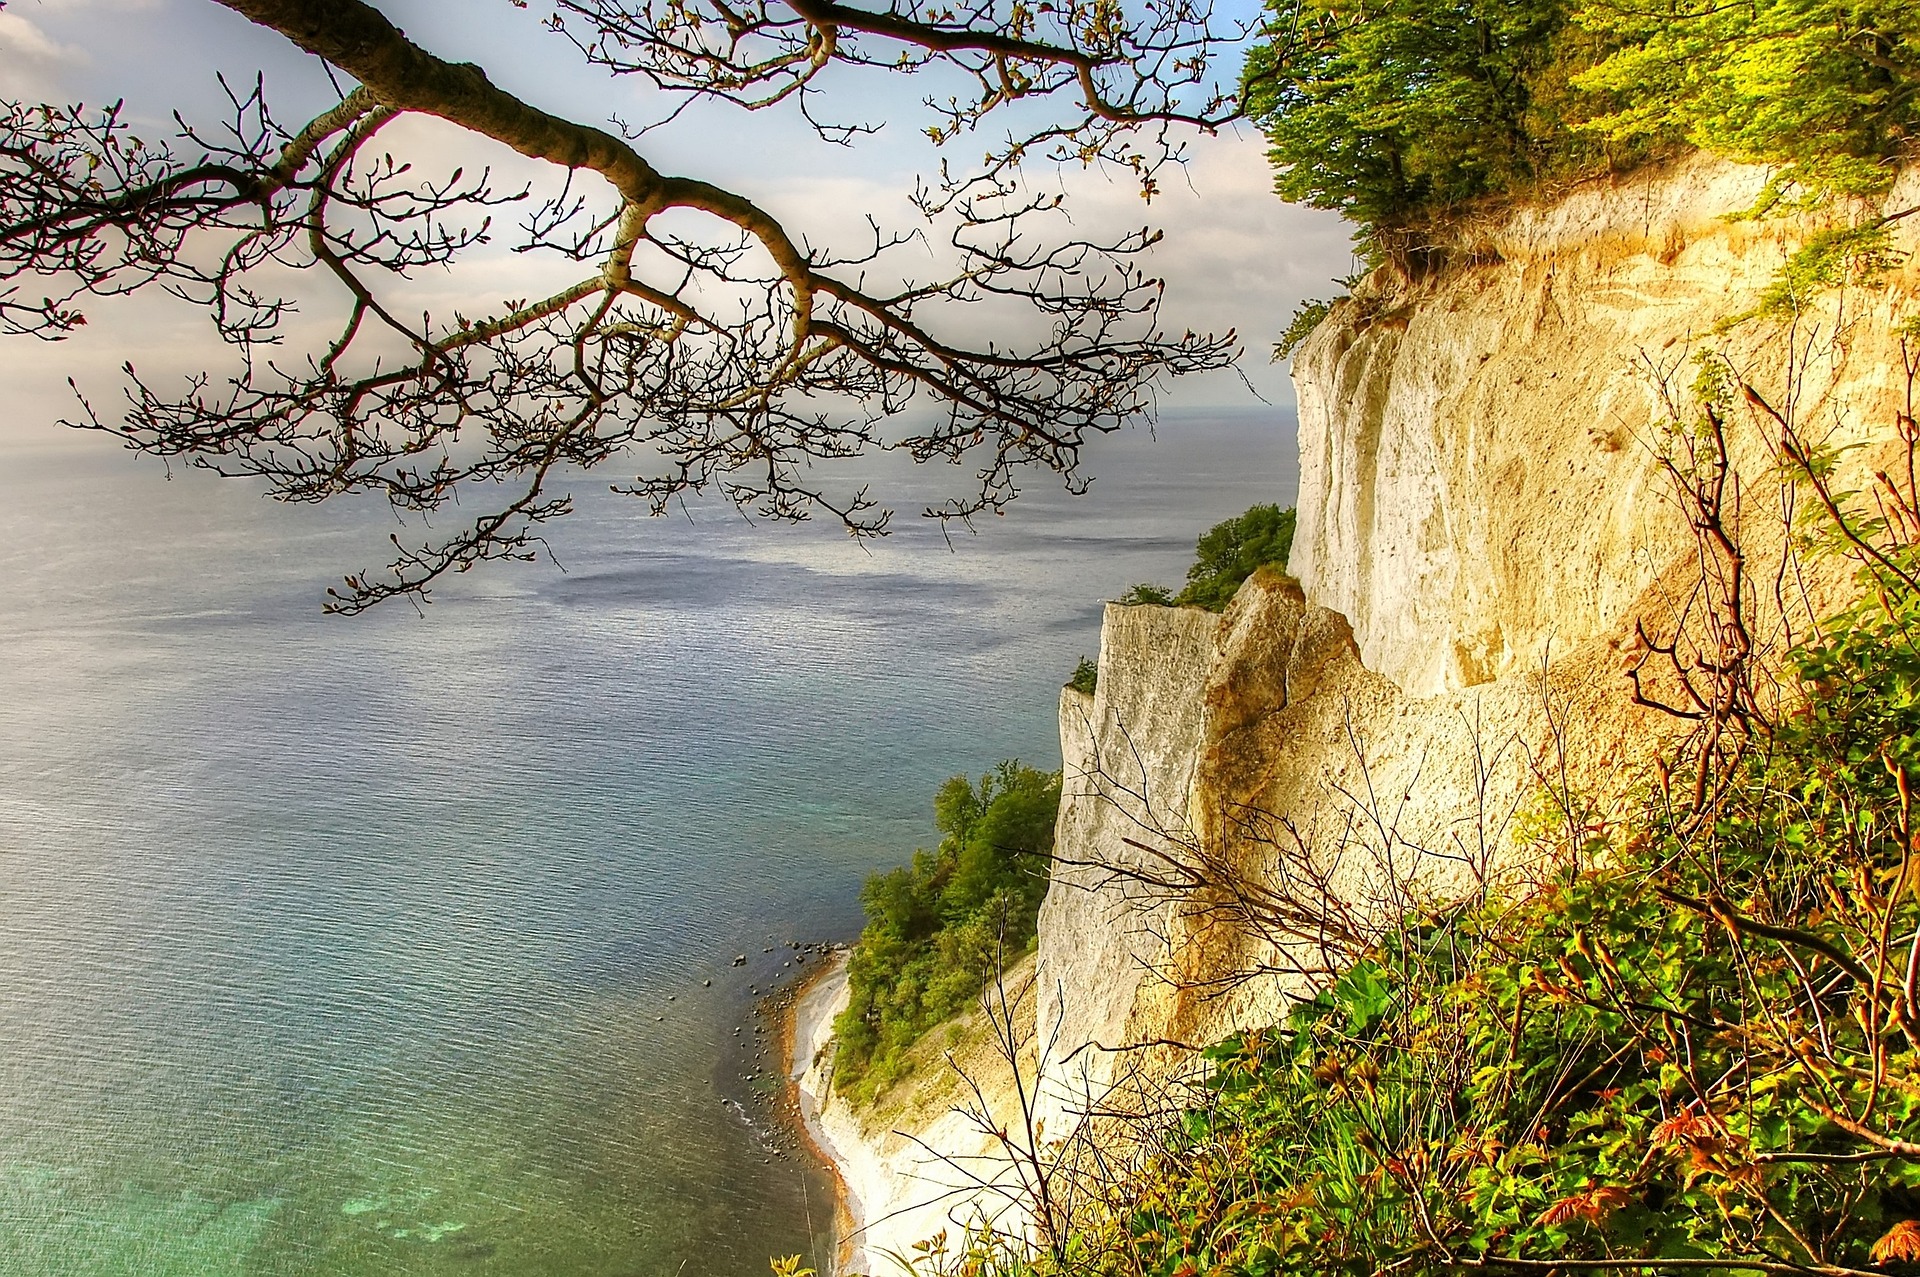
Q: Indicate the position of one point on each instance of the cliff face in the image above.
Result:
(1484, 519)
(1107, 934)
(1477, 451)
(1280, 732)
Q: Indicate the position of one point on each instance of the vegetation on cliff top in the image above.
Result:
(1234, 549)
(1085, 676)
(939, 928)
(1396, 113)
(1223, 558)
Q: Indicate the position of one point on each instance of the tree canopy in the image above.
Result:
(1397, 112)
(1382, 110)
(941, 927)
(697, 332)
(1223, 558)
(1234, 549)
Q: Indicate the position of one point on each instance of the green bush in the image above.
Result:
(1225, 556)
(1086, 676)
(939, 928)
(1146, 594)
(1306, 317)
(1230, 551)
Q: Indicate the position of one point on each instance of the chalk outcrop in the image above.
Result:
(1478, 450)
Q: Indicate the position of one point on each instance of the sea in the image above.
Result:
(408, 943)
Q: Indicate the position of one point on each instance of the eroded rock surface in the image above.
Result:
(1478, 451)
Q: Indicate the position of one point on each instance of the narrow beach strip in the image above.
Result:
(805, 1045)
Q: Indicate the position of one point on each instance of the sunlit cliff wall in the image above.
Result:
(1483, 516)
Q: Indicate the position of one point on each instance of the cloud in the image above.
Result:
(1234, 255)
(33, 64)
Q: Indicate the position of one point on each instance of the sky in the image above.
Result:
(1234, 255)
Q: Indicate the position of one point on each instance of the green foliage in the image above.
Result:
(1695, 1039)
(1851, 254)
(938, 928)
(1230, 552)
(1086, 676)
(1306, 318)
(1146, 594)
(1225, 556)
(1395, 110)
(1395, 113)
(1826, 87)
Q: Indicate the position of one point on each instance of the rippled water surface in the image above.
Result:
(378, 946)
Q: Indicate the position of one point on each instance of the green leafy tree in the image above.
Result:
(1232, 550)
(938, 928)
(1146, 594)
(1387, 112)
(1399, 112)
(1827, 86)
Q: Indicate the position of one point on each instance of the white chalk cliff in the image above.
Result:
(1477, 475)
(1482, 519)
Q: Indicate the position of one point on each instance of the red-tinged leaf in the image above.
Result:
(1901, 1242)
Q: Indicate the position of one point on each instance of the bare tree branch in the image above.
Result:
(699, 333)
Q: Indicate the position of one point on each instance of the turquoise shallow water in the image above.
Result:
(378, 946)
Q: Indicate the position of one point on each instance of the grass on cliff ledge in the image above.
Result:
(939, 928)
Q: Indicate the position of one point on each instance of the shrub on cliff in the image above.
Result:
(1306, 317)
(1232, 550)
(1146, 594)
(1085, 677)
(939, 928)
(1224, 557)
